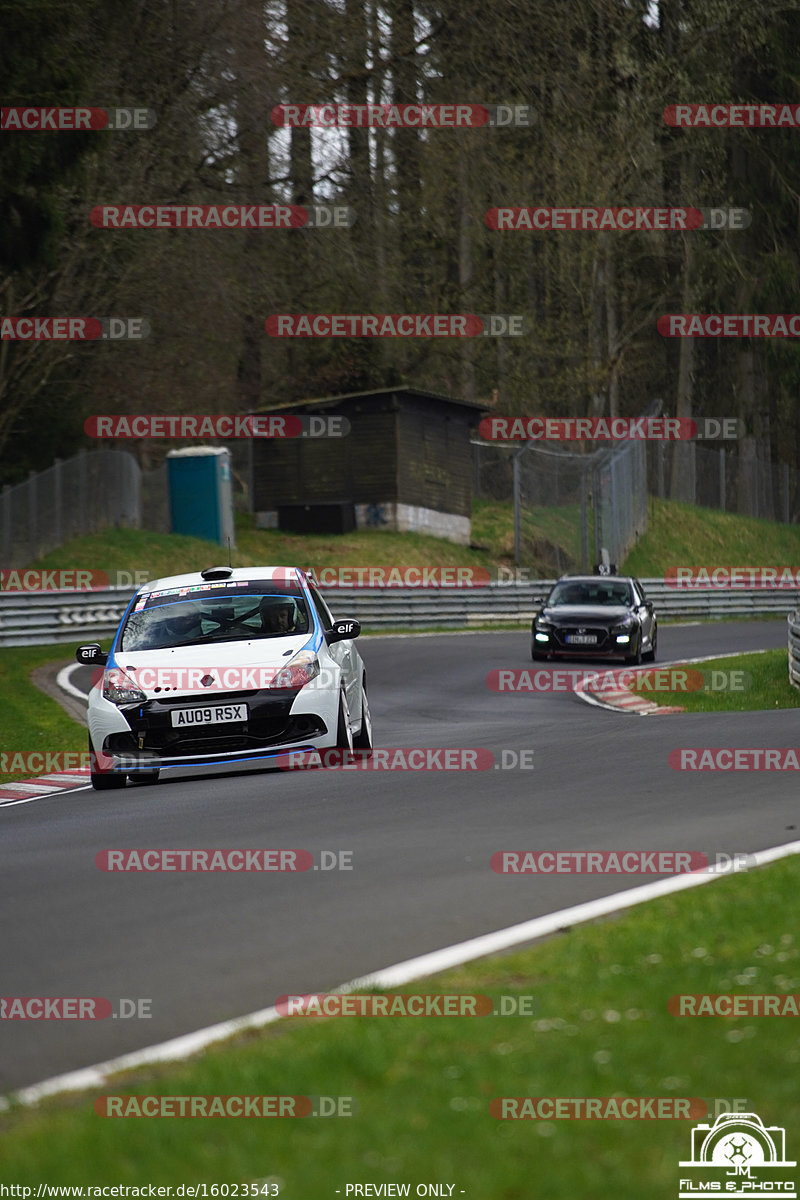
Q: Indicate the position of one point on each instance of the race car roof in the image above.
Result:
(277, 575)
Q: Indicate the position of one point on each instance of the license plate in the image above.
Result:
(582, 639)
(217, 714)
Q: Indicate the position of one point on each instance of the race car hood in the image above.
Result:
(571, 614)
(231, 666)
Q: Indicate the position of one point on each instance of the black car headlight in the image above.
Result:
(542, 630)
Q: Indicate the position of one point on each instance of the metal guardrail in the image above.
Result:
(40, 618)
(793, 622)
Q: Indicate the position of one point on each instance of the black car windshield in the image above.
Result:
(603, 593)
(195, 616)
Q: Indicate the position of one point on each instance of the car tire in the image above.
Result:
(363, 739)
(650, 656)
(344, 732)
(635, 660)
(103, 781)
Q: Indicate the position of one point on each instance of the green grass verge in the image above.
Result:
(764, 684)
(677, 535)
(161, 554)
(30, 720)
(687, 536)
(422, 1086)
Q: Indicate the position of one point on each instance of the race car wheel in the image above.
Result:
(363, 739)
(344, 732)
(635, 660)
(650, 656)
(102, 781)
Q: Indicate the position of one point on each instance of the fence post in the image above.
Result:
(6, 501)
(32, 539)
(515, 470)
(596, 507)
(614, 546)
(82, 471)
(584, 521)
(58, 501)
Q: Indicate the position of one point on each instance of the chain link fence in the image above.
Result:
(567, 507)
(734, 481)
(84, 494)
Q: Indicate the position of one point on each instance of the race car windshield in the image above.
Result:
(602, 593)
(158, 621)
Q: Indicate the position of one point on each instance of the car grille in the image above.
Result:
(600, 632)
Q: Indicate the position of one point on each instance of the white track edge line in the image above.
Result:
(63, 681)
(400, 973)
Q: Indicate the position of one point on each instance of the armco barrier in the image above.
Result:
(793, 621)
(35, 619)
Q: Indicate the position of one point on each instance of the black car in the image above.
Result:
(597, 616)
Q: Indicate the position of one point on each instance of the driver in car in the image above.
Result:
(182, 623)
(278, 615)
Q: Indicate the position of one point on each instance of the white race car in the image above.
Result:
(225, 669)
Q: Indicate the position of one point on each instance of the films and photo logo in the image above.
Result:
(737, 1156)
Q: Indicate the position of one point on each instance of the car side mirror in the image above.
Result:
(342, 630)
(91, 655)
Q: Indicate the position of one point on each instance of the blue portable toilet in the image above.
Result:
(201, 493)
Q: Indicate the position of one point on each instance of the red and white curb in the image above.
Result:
(42, 785)
(623, 700)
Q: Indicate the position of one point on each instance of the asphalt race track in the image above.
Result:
(206, 947)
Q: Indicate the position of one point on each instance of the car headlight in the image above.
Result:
(623, 630)
(299, 671)
(119, 688)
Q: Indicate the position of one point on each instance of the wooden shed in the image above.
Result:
(406, 464)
